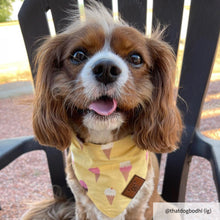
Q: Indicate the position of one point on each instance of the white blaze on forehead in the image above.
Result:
(88, 78)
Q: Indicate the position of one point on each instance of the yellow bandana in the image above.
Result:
(104, 171)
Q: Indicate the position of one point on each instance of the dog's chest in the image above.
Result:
(105, 172)
(105, 136)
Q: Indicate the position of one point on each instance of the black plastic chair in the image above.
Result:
(201, 42)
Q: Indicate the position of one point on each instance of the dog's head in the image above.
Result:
(103, 75)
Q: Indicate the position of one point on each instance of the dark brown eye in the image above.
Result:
(135, 60)
(78, 57)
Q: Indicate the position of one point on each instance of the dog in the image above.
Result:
(106, 91)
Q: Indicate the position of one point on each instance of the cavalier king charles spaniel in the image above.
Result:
(106, 91)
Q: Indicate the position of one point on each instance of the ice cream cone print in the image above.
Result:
(107, 149)
(125, 168)
(110, 194)
(96, 171)
(83, 184)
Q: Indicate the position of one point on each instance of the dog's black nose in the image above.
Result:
(106, 71)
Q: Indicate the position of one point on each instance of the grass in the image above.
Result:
(8, 23)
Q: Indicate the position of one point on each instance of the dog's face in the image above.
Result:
(106, 76)
(109, 76)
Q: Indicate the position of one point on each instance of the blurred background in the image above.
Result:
(27, 178)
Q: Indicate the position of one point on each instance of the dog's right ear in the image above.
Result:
(159, 126)
(50, 121)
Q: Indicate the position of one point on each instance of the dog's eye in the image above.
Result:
(78, 57)
(135, 60)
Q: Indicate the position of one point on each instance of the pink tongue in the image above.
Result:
(103, 107)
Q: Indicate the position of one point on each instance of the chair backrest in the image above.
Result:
(201, 41)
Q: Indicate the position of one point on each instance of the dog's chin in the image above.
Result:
(97, 122)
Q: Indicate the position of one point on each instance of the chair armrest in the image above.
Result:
(208, 148)
(10, 149)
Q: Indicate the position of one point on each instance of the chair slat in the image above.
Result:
(201, 41)
(107, 3)
(134, 12)
(61, 10)
(34, 26)
(169, 13)
(202, 38)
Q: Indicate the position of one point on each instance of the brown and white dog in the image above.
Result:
(103, 80)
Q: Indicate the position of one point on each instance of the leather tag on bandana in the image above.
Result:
(133, 187)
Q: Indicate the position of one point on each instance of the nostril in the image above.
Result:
(115, 71)
(98, 70)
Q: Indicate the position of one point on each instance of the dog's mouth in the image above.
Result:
(104, 106)
(103, 114)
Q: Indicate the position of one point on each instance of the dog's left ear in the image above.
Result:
(158, 127)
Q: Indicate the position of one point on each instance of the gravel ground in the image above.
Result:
(27, 180)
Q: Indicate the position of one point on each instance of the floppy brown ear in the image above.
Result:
(50, 122)
(158, 126)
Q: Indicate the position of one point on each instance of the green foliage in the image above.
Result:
(5, 9)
